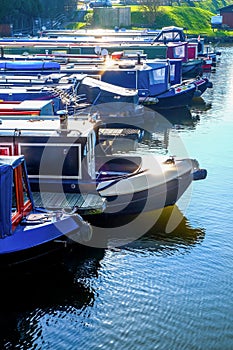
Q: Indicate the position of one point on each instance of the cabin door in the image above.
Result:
(91, 155)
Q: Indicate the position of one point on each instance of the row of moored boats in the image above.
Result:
(54, 103)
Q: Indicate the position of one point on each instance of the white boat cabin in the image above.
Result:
(58, 151)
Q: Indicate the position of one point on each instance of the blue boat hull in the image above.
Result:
(31, 242)
(169, 99)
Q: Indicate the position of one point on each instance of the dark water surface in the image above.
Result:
(172, 288)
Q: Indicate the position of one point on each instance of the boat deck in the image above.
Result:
(119, 132)
(84, 203)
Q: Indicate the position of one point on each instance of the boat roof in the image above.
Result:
(25, 105)
(108, 87)
(111, 65)
(80, 126)
(172, 29)
(33, 78)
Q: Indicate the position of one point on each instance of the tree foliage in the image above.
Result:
(11, 8)
(23, 13)
(150, 9)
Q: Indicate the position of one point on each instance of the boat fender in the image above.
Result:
(86, 229)
(197, 93)
(209, 84)
(86, 232)
(126, 66)
(199, 174)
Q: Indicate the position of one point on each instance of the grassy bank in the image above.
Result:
(196, 18)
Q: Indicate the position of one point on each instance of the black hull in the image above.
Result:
(149, 200)
(31, 259)
(174, 101)
(146, 200)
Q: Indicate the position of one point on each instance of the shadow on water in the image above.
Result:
(171, 234)
(159, 230)
(199, 106)
(68, 289)
(26, 297)
(177, 116)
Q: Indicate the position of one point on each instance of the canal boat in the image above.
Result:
(169, 42)
(64, 156)
(27, 107)
(77, 94)
(159, 82)
(28, 232)
(112, 104)
(41, 93)
(152, 81)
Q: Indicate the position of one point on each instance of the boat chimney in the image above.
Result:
(63, 115)
(139, 58)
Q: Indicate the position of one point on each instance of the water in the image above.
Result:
(171, 289)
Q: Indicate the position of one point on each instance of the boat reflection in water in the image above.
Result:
(67, 295)
(164, 229)
(182, 117)
(156, 136)
(200, 105)
(45, 297)
(155, 133)
(171, 234)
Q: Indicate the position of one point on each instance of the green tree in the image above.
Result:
(150, 9)
(20, 13)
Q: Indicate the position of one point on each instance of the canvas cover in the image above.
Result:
(155, 78)
(29, 65)
(149, 80)
(175, 70)
(178, 50)
(97, 92)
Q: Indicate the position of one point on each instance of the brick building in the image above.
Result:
(227, 15)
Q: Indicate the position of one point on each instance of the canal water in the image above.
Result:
(170, 289)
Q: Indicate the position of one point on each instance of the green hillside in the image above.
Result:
(195, 18)
(193, 15)
(212, 5)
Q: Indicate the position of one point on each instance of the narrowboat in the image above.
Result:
(27, 232)
(64, 156)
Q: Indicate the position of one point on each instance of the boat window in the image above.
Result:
(157, 76)
(44, 164)
(14, 202)
(26, 196)
(5, 150)
(179, 51)
(168, 36)
(91, 154)
(172, 71)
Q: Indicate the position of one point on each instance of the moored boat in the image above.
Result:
(27, 107)
(152, 81)
(68, 158)
(27, 232)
